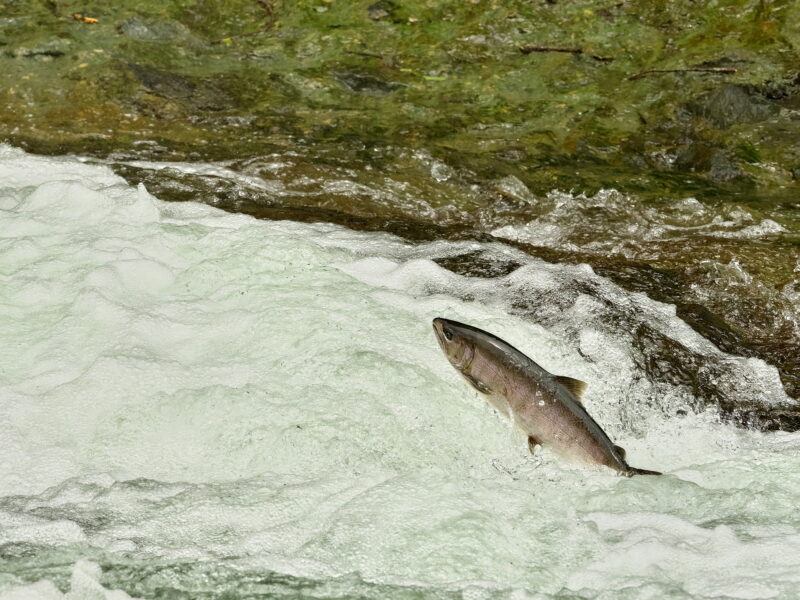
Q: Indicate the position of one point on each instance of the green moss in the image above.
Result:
(446, 75)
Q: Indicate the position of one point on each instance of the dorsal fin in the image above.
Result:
(576, 386)
(621, 451)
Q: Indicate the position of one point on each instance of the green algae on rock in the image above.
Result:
(445, 75)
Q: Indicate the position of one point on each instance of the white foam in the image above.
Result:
(179, 383)
(84, 585)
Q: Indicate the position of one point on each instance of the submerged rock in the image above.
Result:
(366, 84)
(734, 104)
(154, 30)
(195, 95)
(723, 168)
(52, 48)
(383, 9)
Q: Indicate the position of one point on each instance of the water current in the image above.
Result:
(198, 404)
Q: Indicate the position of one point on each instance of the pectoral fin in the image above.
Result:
(478, 385)
(576, 386)
(532, 443)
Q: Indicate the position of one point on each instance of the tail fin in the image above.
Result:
(634, 471)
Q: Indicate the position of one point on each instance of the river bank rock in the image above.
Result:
(454, 64)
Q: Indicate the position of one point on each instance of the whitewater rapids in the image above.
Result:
(200, 403)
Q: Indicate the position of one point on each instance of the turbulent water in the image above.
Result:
(729, 264)
(197, 404)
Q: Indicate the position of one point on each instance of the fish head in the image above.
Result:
(456, 343)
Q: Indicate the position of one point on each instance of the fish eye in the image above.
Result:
(448, 333)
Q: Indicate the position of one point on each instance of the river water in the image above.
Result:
(198, 404)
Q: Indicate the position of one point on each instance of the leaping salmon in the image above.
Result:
(546, 407)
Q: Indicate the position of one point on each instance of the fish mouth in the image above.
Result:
(438, 326)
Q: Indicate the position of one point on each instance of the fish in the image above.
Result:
(546, 407)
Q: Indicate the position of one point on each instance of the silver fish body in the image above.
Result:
(543, 405)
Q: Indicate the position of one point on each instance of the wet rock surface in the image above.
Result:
(734, 105)
(463, 88)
